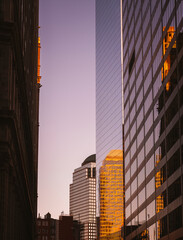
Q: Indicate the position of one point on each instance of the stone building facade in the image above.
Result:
(19, 105)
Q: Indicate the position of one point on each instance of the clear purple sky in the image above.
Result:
(67, 98)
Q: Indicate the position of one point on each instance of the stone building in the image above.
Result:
(19, 108)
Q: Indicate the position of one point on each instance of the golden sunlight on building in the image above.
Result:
(159, 199)
(166, 42)
(111, 196)
(39, 66)
(159, 177)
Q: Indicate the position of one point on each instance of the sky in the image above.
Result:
(67, 98)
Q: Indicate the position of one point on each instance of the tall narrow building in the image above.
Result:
(153, 118)
(83, 197)
(19, 109)
(109, 89)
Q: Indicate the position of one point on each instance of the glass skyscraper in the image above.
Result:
(108, 96)
(153, 118)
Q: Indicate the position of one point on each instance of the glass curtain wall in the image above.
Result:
(108, 92)
(153, 118)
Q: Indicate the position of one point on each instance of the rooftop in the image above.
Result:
(91, 158)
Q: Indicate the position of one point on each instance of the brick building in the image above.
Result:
(53, 229)
(47, 228)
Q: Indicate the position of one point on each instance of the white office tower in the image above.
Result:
(83, 197)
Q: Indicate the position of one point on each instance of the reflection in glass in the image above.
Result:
(128, 211)
(111, 194)
(148, 122)
(156, 16)
(149, 143)
(142, 217)
(148, 81)
(141, 156)
(150, 165)
(159, 72)
(156, 87)
(171, 57)
(161, 200)
(134, 221)
(150, 188)
(127, 196)
(134, 185)
(151, 210)
(134, 204)
(152, 232)
(141, 196)
(133, 167)
(141, 176)
(148, 101)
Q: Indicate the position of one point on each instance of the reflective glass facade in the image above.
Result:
(108, 83)
(111, 190)
(153, 118)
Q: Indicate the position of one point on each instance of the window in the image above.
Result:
(150, 187)
(172, 110)
(173, 163)
(172, 136)
(39, 223)
(141, 176)
(150, 165)
(94, 172)
(89, 172)
(161, 176)
(151, 210)
(132, 60)
(162, 226)
(174, 191)
(142, 217)
(175, 219)
(141, 196)
(161, 202)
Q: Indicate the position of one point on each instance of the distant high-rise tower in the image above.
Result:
(111, 196)
(19, 110)
(83, 197)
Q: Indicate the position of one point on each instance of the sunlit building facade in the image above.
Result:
(111, 192)
(83, 197)
(153, 118)
(109, 130)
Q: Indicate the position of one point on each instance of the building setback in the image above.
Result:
(19, 110)
(83, 197)
(153, 118)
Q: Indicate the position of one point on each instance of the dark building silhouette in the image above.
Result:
(19, 104)
(63, 229)
(66, 228)
(78, 229)
(47, 228)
